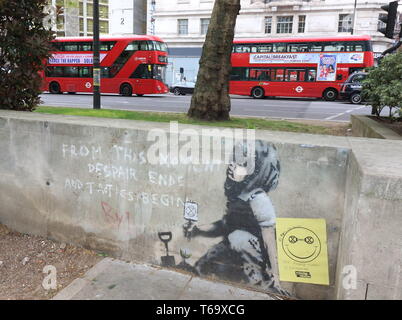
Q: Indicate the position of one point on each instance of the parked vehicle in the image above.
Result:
(352, 89)
(182, 88)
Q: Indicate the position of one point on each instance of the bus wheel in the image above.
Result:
(54, 87)
(356, 98)
(258, 93)
(330, 94)
(126, 90)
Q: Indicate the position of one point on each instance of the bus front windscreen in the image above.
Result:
(157, 45)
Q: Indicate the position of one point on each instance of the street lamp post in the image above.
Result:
(354, 18)
(96, 57)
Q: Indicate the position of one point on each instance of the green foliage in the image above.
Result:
(383, 86)
(24, 46)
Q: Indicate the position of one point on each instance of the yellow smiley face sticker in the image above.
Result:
(301, 244)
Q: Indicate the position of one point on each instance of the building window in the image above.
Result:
(182, 25)
(284, 24)
(81, 9)
(90, 25)
(302, 24)
(204, 26)
(81, 25)
(90, 9)
(104, 27)
(380, 23)
(345, 23)
(268, 24)
(103, 12)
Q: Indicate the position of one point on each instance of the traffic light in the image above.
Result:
(389, 19)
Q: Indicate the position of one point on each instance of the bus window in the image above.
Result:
(157, 45)
(253, 74)
(71, 72)
(150, 45)
(142, 72)
(164, 46)
(143, 45)
(260, 74)
(85, 46)
(295, 75)
(367, 46)
(54, 71)
(71, 46)
(279, 47)
(133, 46)
(107, 45)
(329, 46)
(246, 49)
(316, 47)
(58, 46)
(265, 48)
(340, 47)
(291, 75)
(350, 47)
(104, 46)
(311, 75)
(359, 47)
(159, 72)
(239, 74)
(298, 47)
(264, 75)
(254, 49)
(85, 72)
(279, 76)
(105, 73)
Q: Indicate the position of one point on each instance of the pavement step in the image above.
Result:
(112, 279)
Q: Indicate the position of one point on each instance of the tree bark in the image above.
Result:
(211, 100)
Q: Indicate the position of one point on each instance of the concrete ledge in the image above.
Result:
(363, 126)
(47, 188)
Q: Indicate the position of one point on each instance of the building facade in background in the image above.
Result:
(128, 17)
(183, 24)
(75, 17)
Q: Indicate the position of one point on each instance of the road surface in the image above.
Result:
(289, 108)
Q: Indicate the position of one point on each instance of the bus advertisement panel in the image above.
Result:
(327, 67)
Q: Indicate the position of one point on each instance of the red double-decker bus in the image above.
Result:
(129, 65)
(297, 67)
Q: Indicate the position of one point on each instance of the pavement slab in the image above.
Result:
(112, 279)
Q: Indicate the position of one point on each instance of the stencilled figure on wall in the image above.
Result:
(242, 254)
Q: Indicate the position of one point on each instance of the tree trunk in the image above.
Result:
(211, 100)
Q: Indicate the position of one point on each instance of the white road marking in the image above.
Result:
(343, 113)
(335, 116)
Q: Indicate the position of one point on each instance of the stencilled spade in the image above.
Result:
(167, 261)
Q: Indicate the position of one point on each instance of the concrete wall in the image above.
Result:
(89, 182)
(371, 238)
(362, 126)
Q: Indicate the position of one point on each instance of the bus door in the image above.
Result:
(296, 85)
